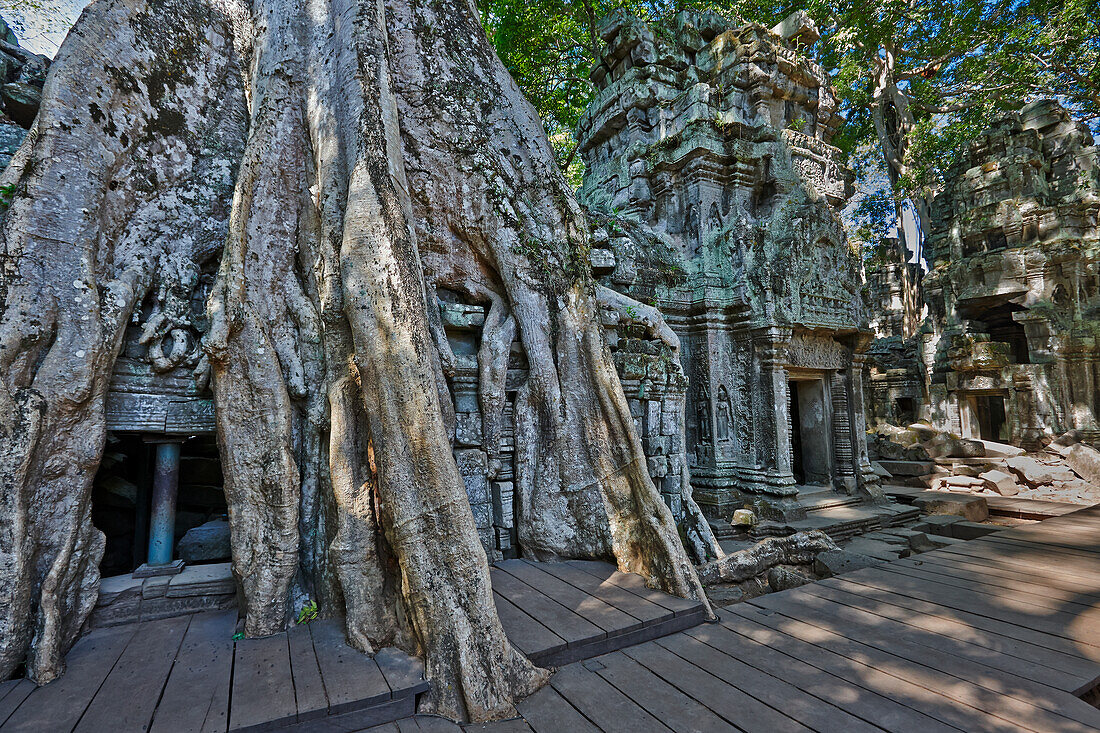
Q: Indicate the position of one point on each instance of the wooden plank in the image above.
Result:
(263, 687)
(138, 678)
(608, 708)
(1022, 600)
(1009, 654)
(658, 698)
(958, 599)
(982, 554)
(527, 634)
(436, 724)
(898, 704)
(636, 585)
(404, 674)
(405, 725)
(59, 705)
(615, 595)
(1032, 557)
(899, 650)
(551, 614)
(1062, 549)
(584, 604)
(1009, 574)
(830, 703)
(309, 690)
(546, 711)
(14, 693)
(352, 679)
(725, 700)
(200, 678)
(1051, 651)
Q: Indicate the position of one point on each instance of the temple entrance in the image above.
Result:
(988, 417)
(122, 501)
(811, 448)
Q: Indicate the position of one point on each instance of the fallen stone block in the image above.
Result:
(783, 579)
(993, 449)
(1030, 471)
(1084, 460)
(1064, 442)
(958, 483)
(836, 562)
(946, 445)
(880, 471)
(937, 524)
(208, 541)
(974, 508)
(908, 468)
(1000, 482)
(725, 594)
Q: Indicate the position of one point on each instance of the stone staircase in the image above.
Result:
(841, 516)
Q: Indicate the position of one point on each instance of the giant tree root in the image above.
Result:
(339, 160)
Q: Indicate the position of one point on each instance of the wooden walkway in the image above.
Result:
(997, 634)
(1000, 633)
(563, 612)
(187, 674)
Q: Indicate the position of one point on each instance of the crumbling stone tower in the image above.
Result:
(1011, 350)
(710, 170)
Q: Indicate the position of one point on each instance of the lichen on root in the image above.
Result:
(352, 157)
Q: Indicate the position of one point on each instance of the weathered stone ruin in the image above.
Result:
(893, 377)
(1008, 350)
(22, 75)
(710, 174)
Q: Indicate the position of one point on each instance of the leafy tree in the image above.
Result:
(549, 47)
(917, 79)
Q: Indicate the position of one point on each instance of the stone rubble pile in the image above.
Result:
(922, 456)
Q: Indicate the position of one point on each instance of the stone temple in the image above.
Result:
(1008, 350)
(711, 177)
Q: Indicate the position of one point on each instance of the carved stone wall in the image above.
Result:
(1009, 350)
(710, 172)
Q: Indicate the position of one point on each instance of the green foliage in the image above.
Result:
(307, 613)
(950, 66)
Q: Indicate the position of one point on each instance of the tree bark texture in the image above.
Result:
(344, 159)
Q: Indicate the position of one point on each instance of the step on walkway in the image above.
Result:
(561, 612)
(187, 674)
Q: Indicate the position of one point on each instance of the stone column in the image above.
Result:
(779, 500)
(162, 519)
(867, 478)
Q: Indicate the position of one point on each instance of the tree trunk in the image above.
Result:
(894, 122)
(353, 156)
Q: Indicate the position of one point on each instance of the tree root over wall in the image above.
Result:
(343, 160)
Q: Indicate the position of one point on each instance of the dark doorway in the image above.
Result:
(810, 445)
(990, 412)
(121, 495)
(796, 435)
(905, 410)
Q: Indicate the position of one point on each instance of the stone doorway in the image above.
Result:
(987, 418)
(121, 501)
(811, 444)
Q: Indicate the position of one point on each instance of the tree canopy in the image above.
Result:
(916, 79)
